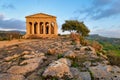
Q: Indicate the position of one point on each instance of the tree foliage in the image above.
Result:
(75, 26)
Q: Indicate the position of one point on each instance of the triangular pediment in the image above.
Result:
(40, 15)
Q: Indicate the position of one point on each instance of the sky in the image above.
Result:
(100, 16)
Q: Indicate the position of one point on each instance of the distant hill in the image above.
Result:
(8, 35)
(13, 31)
(114, 41)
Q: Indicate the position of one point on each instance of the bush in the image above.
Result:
(75, 38)
(96, 45)
(114, 59)
(75, 64)
(84, 42)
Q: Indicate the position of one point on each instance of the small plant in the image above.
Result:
(98, 53)
(91, 74)
(75, 64)
(60, 56)
(66, 77)
(49, 78)
(73, 43)
(97, 46)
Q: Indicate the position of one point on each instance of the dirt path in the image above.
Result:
(12, 42)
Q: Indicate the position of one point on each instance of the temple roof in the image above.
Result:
(40, 15)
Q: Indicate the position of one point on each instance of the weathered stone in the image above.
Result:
(51, 51)
(9, 58)
(85, 75)
(76, 74)
(57, 69)
(33, 55)
(23, 69)
(88, 49)
(70, 54)
(94, 64)
(68, 42)
(104, 56)
(77, 47)
(6, 76)
(28, 56)
(25, 52)
(33, 60)
(84, 48)
(105, 72)
(40, 54)
(106, 62)
(92, 50)
(27, 66)
(87, 64)
(65, 61)
(4, 66)
(99, 74)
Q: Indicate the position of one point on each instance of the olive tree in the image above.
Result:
(75, 26)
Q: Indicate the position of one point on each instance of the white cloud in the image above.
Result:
(11, 23)
(101, 9)
(108, 32)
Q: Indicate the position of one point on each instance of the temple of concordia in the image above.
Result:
(41, 26)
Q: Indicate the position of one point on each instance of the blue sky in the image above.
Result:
(101, 16)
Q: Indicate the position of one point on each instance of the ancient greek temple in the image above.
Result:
(40, 26)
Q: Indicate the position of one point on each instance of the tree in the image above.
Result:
(75, 26)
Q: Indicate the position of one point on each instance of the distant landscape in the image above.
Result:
(8, 35)
(109, 44)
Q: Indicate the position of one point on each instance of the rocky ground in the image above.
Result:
(54, 59)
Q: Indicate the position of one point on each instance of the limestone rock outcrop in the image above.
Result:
(7, 76)
(70, 54)
(105, 72)
(58, 69)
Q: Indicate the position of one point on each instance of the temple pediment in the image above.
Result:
(41, 15)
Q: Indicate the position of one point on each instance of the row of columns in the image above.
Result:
(41, 28)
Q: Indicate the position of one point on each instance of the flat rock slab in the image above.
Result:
(85, 75)
(6, 76)
(105, 72)
(23, 70)
(58, 69)
(28, 66)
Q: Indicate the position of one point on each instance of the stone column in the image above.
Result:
(33, 28)
(27, 28)
(38, 28)
(44, 28)
(55, 29)
(49, 28)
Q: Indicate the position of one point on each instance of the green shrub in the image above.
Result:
(97, 46)
(75, 64)
(114, 59)
(49, 78)
(73, 43)
(60, 56)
